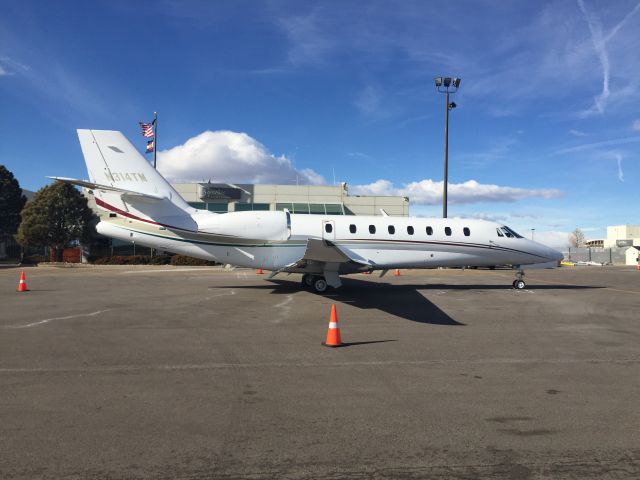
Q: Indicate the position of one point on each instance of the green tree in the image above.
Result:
(11, 202)
(57, 216)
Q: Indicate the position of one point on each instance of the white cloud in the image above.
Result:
(553, 239)
(577, 133)
(225, 156)
(635, 126)
(4, 72)
(428, 192)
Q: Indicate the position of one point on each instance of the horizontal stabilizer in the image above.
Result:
(98, 186)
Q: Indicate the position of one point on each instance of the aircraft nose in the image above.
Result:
(555, 255)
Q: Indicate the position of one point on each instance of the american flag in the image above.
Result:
(150, 145)
(147, 129)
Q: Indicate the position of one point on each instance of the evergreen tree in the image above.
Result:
(57, 216)
(11, 202)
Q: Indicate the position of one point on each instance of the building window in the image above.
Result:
(429, 231)
(198, 205)
(316, 208)
(328, 227)
(219, 207)
(466, 231)
(352, 228)
(447, 231)
(410, 230)
(243, 207)
(334, 208)
(282, 206)
(391, 229)
(300, 208)
(372, 229)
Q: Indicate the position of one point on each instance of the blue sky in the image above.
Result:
(546, 134)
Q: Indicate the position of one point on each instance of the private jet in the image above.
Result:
(138, 205)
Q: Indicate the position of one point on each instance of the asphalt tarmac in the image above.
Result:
(171, 373)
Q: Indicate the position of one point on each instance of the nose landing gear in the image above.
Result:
(518, 283)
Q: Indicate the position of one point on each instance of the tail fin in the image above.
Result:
(114, 163)
(112, 160)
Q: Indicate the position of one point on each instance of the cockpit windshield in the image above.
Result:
(509, 232)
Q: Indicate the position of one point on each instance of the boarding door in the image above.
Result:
(328, 230)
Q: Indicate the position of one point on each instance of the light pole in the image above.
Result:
(446, 85)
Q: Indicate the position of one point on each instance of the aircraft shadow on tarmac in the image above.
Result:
(404, 301)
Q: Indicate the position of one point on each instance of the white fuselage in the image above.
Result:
(275, 240)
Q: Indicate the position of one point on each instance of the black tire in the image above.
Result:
(319, 285)
(307, 280)
(519, 284)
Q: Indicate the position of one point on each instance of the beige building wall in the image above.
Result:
(621, 232)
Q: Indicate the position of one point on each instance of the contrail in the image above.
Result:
(600, 45)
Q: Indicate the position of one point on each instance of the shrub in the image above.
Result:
(186, 260)
(34, 259)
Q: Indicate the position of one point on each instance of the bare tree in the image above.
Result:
(576, 238)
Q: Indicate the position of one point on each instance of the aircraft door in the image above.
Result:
(328, 230)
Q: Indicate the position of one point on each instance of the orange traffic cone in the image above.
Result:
(397, 272)
(259, 271)
(333, 334)
(22, 286)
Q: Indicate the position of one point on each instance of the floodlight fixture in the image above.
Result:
(447, 84)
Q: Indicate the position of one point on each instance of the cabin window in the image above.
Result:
(372, 229)
(113, 215)
(328, 227)
(352, 228)
(500, 234)
(466, 231)
(391, 229)
(410, 230)
(447, 231)
(429, 231)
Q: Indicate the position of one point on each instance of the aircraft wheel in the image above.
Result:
(519, 284)
(319, 284)
(307, 280)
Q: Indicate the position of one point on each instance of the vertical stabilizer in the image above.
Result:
(112, 160)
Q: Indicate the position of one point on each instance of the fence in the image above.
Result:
(615, 256)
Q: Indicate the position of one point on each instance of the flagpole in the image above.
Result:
(155, 138)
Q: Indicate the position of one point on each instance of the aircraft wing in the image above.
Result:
(98, 186)
(322, 256)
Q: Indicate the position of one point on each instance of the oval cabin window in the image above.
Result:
(466, 231)
(447, 231)
(352, 228)
(372, 229)
(392, 229)
(410, 230)
(429, 231)
(328, 227)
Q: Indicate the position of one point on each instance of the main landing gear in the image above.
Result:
(518, 283)
(316, 282)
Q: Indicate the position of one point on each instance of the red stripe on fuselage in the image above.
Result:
(104, 204)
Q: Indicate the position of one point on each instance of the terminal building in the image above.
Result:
(305, 199)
